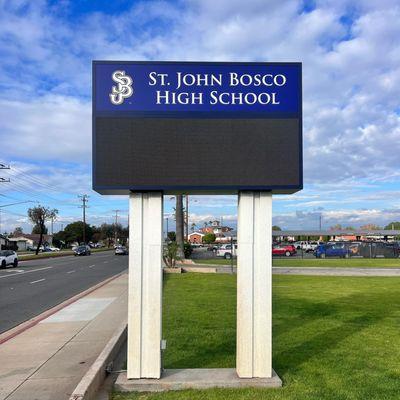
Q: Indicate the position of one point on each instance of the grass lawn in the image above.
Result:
(318, 262)
(334, 337)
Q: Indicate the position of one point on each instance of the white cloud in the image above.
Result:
(52, 127)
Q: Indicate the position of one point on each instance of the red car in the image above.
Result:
(283, 250)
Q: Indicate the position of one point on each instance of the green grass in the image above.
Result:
(318, 262)
(334, 337)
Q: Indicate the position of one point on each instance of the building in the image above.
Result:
(196, 237)
(226, 237)
(216, 228)
(28, 241)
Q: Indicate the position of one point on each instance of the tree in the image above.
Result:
(36, 230)
(209, 238)
(193, 227)
(349, 228)
(393, 225)
(171, 236)
(336, 227)
(276, 228)
(38, 216)
(179, 225)
(370, 227)
(18, 231)
(107, 233)
(74, 232)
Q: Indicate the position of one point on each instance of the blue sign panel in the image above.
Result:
(197, 127)
(261, 90)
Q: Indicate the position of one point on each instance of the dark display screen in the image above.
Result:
(195, 150)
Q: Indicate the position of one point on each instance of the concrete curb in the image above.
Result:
(94, 377)
(35, 320)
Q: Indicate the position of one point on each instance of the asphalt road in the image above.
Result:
(36, 286)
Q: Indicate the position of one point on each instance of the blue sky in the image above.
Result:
(351, 64)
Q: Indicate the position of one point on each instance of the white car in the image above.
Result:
(306, 246)
(53, 248)
(226, 251)
(8, 257)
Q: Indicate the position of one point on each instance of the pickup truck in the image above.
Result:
(226, 251)
(306, 246)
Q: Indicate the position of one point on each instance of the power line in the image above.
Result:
(4, 166)
(13, 204)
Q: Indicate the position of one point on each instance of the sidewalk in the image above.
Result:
(48, 360)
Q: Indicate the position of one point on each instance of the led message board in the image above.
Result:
(196, 127)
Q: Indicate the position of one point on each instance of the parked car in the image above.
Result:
(8, 257)
(213, 248)
(283, 250)
(226, 251)
(82, 251)
(50, 248)
(121, 250)
(306, 245)
(332, 250)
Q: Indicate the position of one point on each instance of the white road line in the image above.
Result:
(39, 280)
(25, 272)
(70, 272)
(105, 262)
(91, 266)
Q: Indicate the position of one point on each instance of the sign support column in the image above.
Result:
(254, 285)
(145, 285)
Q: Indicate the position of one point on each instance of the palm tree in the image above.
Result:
(179, 224)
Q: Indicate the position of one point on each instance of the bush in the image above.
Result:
(170, 254)
(187, 249)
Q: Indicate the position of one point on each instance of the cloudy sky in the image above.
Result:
(351, 79)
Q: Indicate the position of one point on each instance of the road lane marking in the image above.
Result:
(91, 266)
(39, 280)
(25, 272)
(105, 262)
(70, 272)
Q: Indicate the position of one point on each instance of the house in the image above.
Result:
(226, 237)
(196, 237)
(27, 241)
(216, 228)
(3, 242)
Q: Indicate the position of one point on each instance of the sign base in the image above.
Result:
(199, 378)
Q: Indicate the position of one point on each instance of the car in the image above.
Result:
(121, 250)
(226, 251)
(283, 250)
(213, 248)
(8, 257)
(332, 250)
(50, 248)
(82, 251)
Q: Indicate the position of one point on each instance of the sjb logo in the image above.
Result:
(123, 89)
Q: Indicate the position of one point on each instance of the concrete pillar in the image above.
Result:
(145, 285)
(254, 285)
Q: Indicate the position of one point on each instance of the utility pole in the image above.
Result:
(85, 199)
(187, 218)
(115, 226)
(320, 222)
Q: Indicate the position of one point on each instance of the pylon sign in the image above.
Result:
(197, 127)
